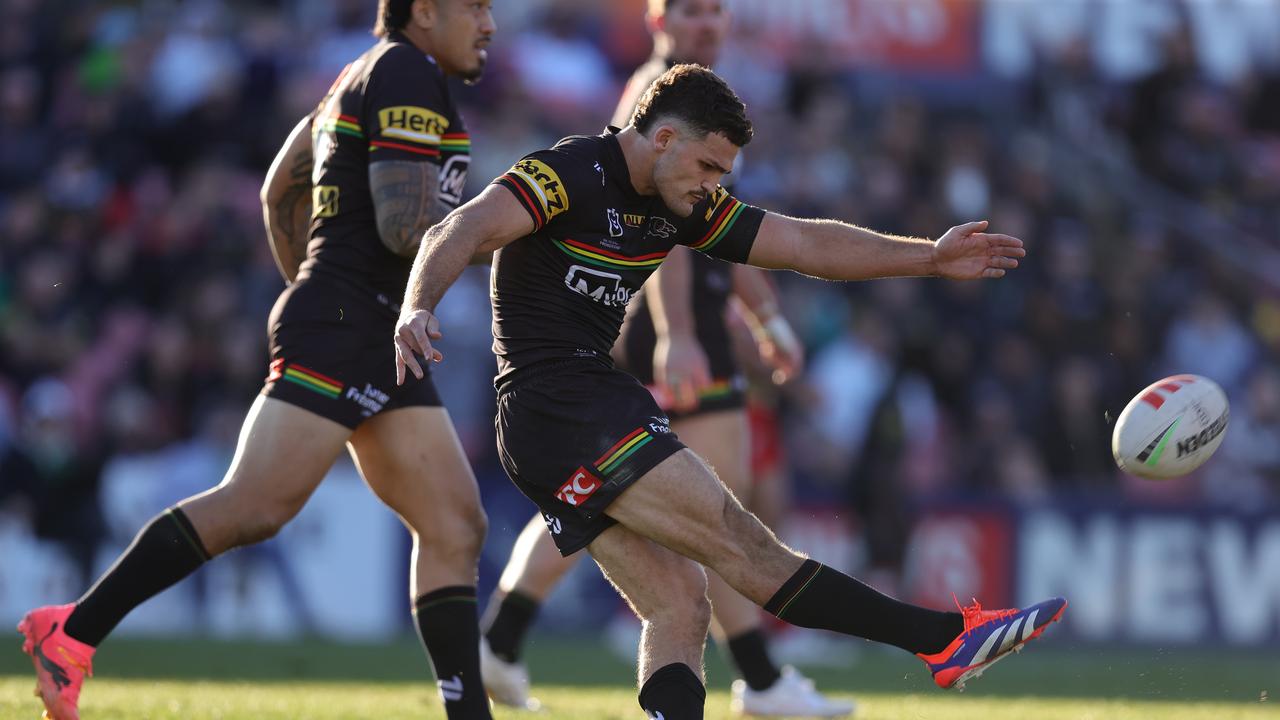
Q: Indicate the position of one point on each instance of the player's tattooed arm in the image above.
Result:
(286, 200)
(407, 202)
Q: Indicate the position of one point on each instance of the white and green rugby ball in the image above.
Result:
(1171, 428)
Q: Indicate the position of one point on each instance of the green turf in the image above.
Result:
(193, 680)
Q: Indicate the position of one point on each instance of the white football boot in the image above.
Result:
(506, 682)
(793, 695)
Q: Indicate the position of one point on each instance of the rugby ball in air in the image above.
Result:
(1171, 428)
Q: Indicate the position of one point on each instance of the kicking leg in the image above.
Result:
(764, 688)
(710, 526)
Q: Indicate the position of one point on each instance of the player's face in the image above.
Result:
(688, 168)
(697, 29)
(462, 31)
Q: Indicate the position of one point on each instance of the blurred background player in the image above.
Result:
(675, 342)
(356, 184)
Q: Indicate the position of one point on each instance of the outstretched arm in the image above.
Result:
(490, 221)
(286, 200)
(838, 251)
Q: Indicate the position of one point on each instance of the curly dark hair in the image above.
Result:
(697, 97)
(392, 15)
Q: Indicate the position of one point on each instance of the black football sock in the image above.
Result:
(673, 692)
(446, 623)
(750, 655)
(167, 550)
(819, 597)
(507, 622)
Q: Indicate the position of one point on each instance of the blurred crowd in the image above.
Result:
(135, 279)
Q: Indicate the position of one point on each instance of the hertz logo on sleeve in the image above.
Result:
(415, 124)
(545, 183)
(716, 199)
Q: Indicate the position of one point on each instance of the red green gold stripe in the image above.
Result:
(723, 224)
(625, 447)
(430, 152)
(629, 451)
(716, 389)
(312, 380)
(313, 374)
(456, 142)
(344, 124)
(618, 445)
(605, 258)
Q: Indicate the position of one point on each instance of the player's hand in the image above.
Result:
(680, 370)
(414, 333)
(965, 252)
(780, 349)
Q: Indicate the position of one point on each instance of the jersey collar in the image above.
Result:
(622, 175)
(396, 36)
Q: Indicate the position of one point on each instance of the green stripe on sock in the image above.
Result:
(182, 528)
(442, 601)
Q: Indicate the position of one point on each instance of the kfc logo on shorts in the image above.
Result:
(578, 488)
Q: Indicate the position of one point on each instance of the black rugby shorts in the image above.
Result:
(332, 353)
(572, 435)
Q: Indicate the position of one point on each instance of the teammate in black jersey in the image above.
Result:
(382, 159)
(587, 442)
(683, 354)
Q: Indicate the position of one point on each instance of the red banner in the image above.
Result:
(934, 35)
(965, 554)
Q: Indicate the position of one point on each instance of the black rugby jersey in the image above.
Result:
(391, 103)
(562, 291)
(711, 281)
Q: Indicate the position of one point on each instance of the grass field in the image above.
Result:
(205, 680)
